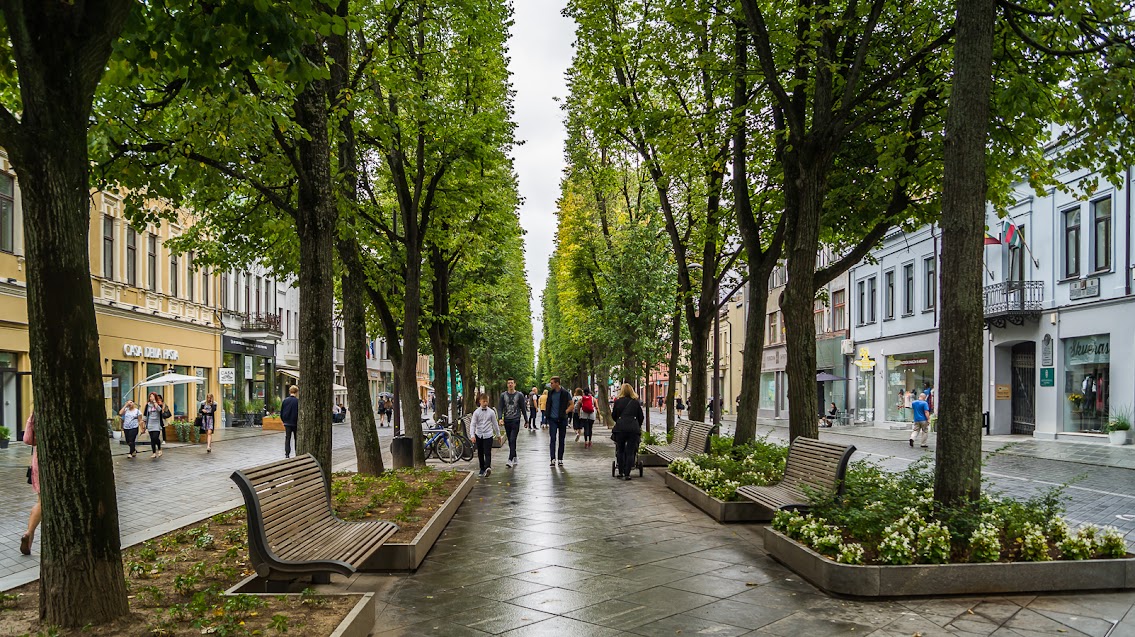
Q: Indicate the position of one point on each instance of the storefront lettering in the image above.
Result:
(139, 351)
(1088, 348)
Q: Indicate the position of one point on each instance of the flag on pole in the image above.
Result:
(991, 240)
(1012, 235)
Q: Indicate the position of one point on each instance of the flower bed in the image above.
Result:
(891, 519)
(726, 467)
(406, 496)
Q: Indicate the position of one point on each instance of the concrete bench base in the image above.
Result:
(719, 510)
(652, 460)
(948, 579)
(408, 556)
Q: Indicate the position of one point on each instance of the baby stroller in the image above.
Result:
(637, 465)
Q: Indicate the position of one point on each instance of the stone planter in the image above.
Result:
(272, 423)
(1117, 437)
(408, 556)
(948, 579)
(652, 460)
(358, 623)
(720, 510)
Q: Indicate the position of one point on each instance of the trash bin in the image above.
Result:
(402, 450)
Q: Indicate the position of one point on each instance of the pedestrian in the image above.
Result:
(661, 403)
(533, 407)
(576, 424)
(543, 404)
(207, 415)
(130, 415)
(155, 416)
(33, 479)
(920, 411)
(512, 407)
(679, 406)
(628, 418)
(559, 408)
(388, 412)
(290, 416)
(587, 416)
(484, 430)
(901, 405)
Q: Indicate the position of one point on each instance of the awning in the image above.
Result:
(171, 379)
(338, 389)
(824, 377)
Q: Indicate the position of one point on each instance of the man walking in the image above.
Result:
(559, 405)
(511, 408)
(920, 409)
(290, 415)
(533, 402)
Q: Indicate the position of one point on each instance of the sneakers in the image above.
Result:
(577, 435)
(561, 463)
(627, 478)
(488, 471)
(481, 474)
(911, 441)
(552, 464)
(510, 464)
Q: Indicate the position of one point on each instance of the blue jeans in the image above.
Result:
(557, 429)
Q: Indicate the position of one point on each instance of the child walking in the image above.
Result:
(484, 429)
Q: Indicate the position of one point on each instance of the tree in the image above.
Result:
(60, 51)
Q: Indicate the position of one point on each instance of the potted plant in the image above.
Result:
(256, 412)
(116, 427)
(1119, 426)
(5, 433)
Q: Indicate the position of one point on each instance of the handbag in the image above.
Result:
(29, 475)
(199, 422)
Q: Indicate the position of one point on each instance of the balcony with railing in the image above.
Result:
(1013, 302)
(261, 326)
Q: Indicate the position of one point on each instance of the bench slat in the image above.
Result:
(811, 463)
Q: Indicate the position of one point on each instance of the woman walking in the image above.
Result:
(33, 477)
(207, 412)
(544, 410)
(576, 423)
(628, 429)
(586, 416)
(155, 416)
(130, 415)
(484, 429)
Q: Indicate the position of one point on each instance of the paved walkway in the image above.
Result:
(537, 551)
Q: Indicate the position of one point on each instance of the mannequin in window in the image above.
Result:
(1088, 389)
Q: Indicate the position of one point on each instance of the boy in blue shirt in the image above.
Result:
(921, 411)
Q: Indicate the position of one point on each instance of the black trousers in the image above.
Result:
(512, 430)
(289, 436)
(588, 425)
(155, 441)
(626, 446)
(132, 438)
(557, 430)
(484, 452)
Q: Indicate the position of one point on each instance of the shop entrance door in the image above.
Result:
(1024, 388)
(11, 397)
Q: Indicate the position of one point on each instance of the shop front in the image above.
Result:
(907, 375)
(830, 361)
(774, 383)
(864, 386)
(253, 363)
(1087, 383)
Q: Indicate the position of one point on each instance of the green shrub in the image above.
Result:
(1111, 544)
(757, 463)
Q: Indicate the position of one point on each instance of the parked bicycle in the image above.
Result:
(442, 445)
(465, 445)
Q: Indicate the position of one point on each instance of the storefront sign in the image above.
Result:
(1088, 350)
(248, 367)
(139, 351)
(1046, 351)
(1004, 392)
(247, 346)
(774, 359)
(864, 362)
(228, 375)
(1047, 376)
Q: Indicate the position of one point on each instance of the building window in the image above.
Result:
(861, 297)
(773, 328)
(247, 294)
(7, 213)
(223, 291)
(839, 308)
(108, 247)
(173, 274)
(1087, 383)
(872, 295)
(1017, 258)
(889, 294)
(205, 286)
(931, 283)
(818, 318)
(907, 376)
(122, 383)
(258, 296)
(1072, 243)
(189, 277)
(1101, 236)
(131, 257)
(152, 262)
(908, 289)
(236, 292)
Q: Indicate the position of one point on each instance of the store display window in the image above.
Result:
(907, 376)
(1087, 386)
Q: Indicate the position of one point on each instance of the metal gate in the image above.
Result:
(1024, 390)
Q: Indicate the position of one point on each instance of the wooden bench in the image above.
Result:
(292, 530)
(811, 464)
(690, 438)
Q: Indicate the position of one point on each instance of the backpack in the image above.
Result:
(587, 404)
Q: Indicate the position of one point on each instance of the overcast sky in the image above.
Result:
(540, 53)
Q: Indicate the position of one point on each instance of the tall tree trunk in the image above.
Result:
(602, 375)
(675, 357)
(700, 329)
(805, 187)
(468, 383)
(746, 430)
(363, 428)
(454, 356)
(407, 368)
(957, 473)
(316, 218)
(60, 50)
(439, 328)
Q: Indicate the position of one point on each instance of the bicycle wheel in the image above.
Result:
(446, 450)
(467, 449)
(430, 449)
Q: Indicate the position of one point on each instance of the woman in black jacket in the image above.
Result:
(628, 416)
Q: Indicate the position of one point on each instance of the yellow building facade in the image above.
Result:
(156, 311)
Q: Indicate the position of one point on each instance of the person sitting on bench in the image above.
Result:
(830, 417)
